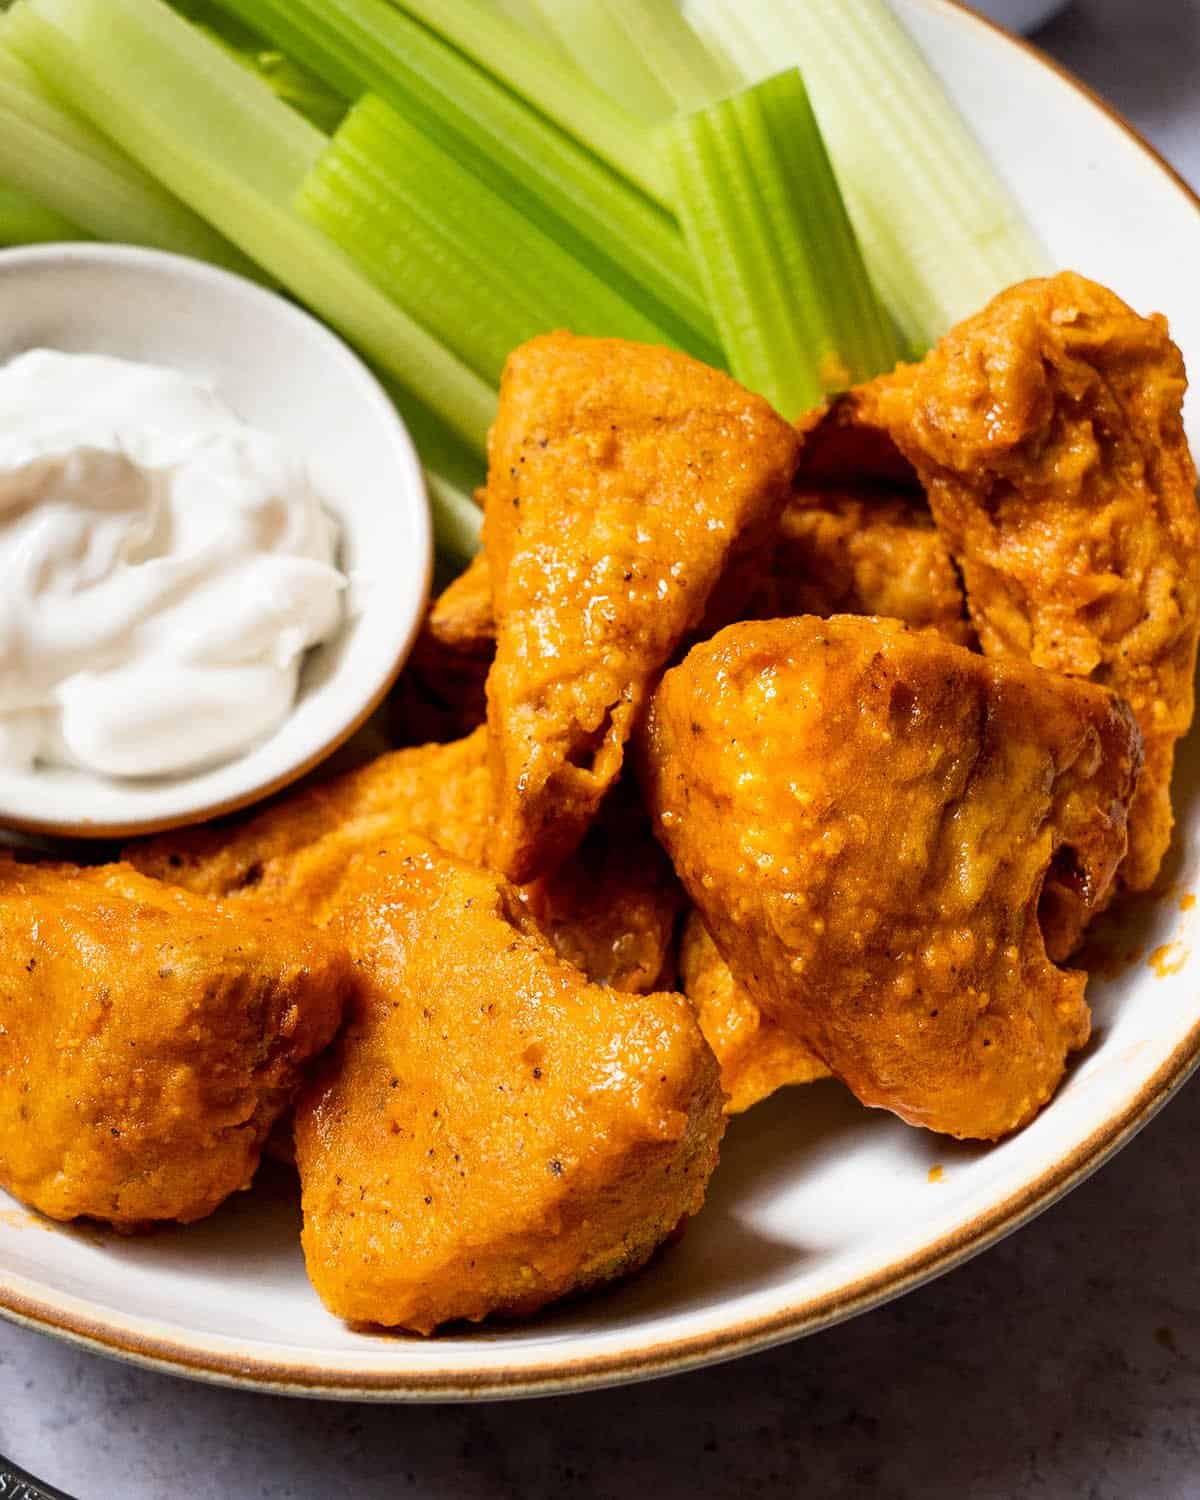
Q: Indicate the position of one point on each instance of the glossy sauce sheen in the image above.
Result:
(165, 569)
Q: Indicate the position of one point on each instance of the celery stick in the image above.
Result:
(360, 46)
(448, 248)
(216, 135)
(940, 231)
(457, 520)
(25, 221)
(292, 83)
(48, 151)
(642, 53)
(762, 211)
(548, 81)
(524, 13)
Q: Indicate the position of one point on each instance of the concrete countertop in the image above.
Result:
(1064, 1363)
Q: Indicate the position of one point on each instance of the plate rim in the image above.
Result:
(562, 1376)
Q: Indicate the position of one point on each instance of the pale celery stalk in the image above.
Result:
(215, 134)
(524, 13)
(285, 77)
(50, 152)
(940, 231)
(643, 53)
(26, 221)
(450, 249)
(549, 82)
(361, 46)
(457, 520)
(762, 211)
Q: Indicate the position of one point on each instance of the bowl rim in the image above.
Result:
(224, 282)
(564, 1375)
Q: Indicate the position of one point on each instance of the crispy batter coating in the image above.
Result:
(461, 618)
(1048, 433)
(294, 854)
(611, 908)
(756, 1056)
(857, 550)
(866, 817)
(491, 1132)
(627, 488)
(864, 552)
(148, 1041)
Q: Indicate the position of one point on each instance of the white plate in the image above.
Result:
(820, 1209)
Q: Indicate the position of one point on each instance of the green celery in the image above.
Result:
(26, 221)
(289, 81)
(549, 82)
(524, 13)
(216, 135)
(457, 521)
(640, 52)
(48, 151)
(763, 213)
(453, 473)
(448, 248)
(940, 231)
(360, 46)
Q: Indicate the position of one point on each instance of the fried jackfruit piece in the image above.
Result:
(294, 854)
(890, 839)
(1048, 434)
(856, 550)
(627, 490)
(461, 618)
(148, 1041)
(756, 1056)
(491, 1132)
(611, 908)
(864, 552)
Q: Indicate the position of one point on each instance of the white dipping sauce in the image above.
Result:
(163, 570)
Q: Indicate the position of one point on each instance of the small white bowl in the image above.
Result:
(282, 371)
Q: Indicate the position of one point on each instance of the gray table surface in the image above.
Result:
(1064, 1363)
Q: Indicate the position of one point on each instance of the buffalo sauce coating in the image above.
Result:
(1048, 434)
(863, 551)
(611, 908)
(630, 494)
(867, 818)
(756, 1055)
(491, 1131)
(148, 1041)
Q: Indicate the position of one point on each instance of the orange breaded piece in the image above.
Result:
(1048, 434)
(293, 854)
(756, 1056)
(864, 552)
(627, 488)
(860, 550)
(491, 1132)
(461, 617)
(611, 908)
(890, 840)
(149, 1040)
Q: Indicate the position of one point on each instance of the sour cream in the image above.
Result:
(164, 568)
